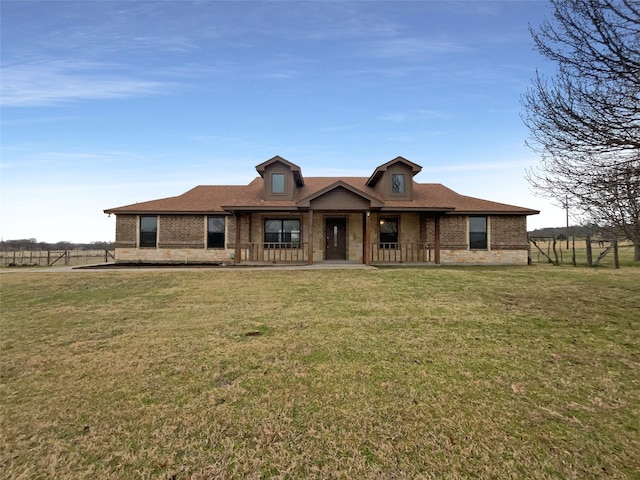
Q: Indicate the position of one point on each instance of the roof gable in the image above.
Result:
(375, 176)
(340, 184)
(295, 169)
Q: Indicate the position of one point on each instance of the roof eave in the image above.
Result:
(496, 212)
(418, 209)
(261, 208)
(116, 211)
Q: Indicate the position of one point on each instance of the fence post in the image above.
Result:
(589, 252)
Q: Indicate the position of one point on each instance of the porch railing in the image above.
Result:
(276, 252)
(401, 252)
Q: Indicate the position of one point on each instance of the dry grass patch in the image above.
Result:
(417, 373)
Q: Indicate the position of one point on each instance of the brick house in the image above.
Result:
(282, 217)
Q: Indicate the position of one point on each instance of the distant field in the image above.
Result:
(441, 372)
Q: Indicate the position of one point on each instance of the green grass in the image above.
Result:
(524, 372)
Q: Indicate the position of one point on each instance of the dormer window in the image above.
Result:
(393, 180)
(282, 179)
(397, 183)
(277, 183)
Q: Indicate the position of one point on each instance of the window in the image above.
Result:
(478, 233)
(277, 183)
(215, 232)
(388, 232)
(148, 232)
(397, 183)
(279, 231)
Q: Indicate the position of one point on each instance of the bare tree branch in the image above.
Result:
(585, 120)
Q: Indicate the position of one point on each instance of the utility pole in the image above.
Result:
(566, 207)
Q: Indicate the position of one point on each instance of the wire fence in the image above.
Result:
(32, 258)
(578, 251)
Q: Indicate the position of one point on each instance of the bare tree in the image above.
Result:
(585, 120)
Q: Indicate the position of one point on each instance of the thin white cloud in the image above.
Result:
(284, 75)
(55, 82)
(341, 128)
(403, 117)
(414, 47)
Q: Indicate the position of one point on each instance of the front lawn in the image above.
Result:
(523, 372)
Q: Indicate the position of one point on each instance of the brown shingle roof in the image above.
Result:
(205, 199)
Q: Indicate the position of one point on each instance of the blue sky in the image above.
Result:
(107, 103)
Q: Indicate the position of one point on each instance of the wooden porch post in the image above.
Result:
(437, 239)
(367, 225)
(238, 258)
(310, 239)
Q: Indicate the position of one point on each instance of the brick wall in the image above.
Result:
(230, 231)
(181, 231)
(126, 231)
(509, 232)
(453, 232)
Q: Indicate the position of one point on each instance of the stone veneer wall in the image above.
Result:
(484, 257)
(410, 228)
(355, 237)
(318, 236)
(173, 255)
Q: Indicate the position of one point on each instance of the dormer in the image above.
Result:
(281, 179)
(394, 179)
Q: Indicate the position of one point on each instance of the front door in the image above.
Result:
(336, 239)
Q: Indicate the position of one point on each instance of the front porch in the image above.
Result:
(298, 253)
(313, 236)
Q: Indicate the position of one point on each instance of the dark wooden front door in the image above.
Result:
(336, 239)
